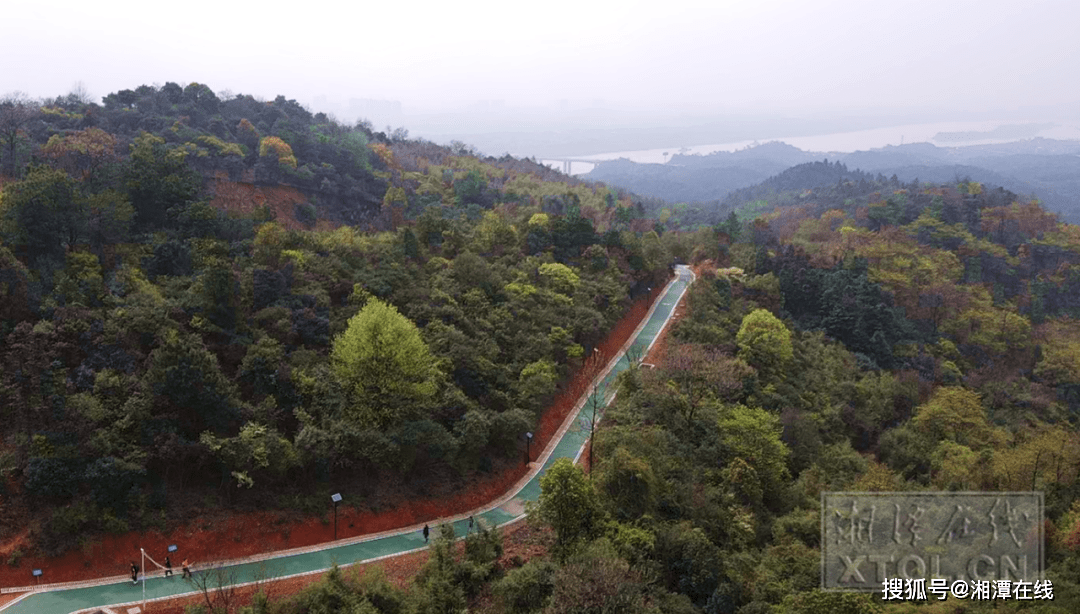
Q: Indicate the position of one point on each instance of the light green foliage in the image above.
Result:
(1060, 363)
(520, 290)
(559, 336)
(537, 381)
(190, 148)
(635, 545)
(385, 364)
(494, 234)
(274, 147)
(270, 239)
(220, 147)
(764, 342)
(80, 282)
(956, 467)
(764, 290)
(298, 257)
(955, 414)
(751, 436)
(540, 220)
(568, 504)
(996, 330)
(559, 277)
(1041, 457)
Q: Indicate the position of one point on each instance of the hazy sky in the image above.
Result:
(754, 56)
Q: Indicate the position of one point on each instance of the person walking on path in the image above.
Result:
(427, 532)
(168, 567)
(470, 524)
(184, 571)
(134, 573)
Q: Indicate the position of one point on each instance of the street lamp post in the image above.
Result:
(336, 498)
(528, 444)
(143, 570)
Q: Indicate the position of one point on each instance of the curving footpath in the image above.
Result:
(116, 595)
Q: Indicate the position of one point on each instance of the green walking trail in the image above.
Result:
(123, 595)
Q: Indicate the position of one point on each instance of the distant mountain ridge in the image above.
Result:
(1046, 169)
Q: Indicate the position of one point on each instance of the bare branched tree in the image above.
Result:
(264, 578)
(218, 588)
(699, 372)
(79, 94)
(591, 415)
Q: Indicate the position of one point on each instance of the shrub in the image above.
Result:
(527, 589)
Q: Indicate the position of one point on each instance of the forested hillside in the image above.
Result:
(1044, 168)
(192, 325)
(924, 338)
(169, 339)
(700, 179)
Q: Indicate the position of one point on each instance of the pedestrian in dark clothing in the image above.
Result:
(470, 524)
(168, 567)
(427, 531)
(134, 573)
(184, 571)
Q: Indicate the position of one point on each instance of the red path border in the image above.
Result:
(204, 540)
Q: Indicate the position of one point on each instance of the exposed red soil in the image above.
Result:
(214, 538)
(245, 198)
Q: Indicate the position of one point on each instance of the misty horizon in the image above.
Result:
(565, 79)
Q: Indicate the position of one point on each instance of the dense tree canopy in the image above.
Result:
(201, 292)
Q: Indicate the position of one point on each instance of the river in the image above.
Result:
(942, 134)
